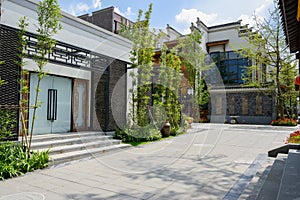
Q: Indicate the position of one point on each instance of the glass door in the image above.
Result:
(54, 114)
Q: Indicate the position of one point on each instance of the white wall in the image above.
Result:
(75, 31)
(231, 33)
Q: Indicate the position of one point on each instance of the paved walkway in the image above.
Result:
(213, 161)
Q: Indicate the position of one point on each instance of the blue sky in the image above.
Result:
(177, 13)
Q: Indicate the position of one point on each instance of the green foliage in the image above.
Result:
(144, 41)
(272, 63)
(2, 81)
(14, 161)
(284, 122)
(138, 134)
(168, 86)
(49, 16)
(193, 56)
(7, 123)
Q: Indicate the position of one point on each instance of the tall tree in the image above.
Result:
(144, 42)
(48, 24)
(272, 64)
(194, 60)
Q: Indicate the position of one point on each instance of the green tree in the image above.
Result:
(168, 86)
(144, 41)
(272, 64)
(194, 60)
(48, 24)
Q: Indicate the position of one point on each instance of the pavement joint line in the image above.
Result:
(244, 180)
(76, 182)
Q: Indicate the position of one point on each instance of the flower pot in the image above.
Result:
(166, 130)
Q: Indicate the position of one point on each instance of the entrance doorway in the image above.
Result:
(54, 114)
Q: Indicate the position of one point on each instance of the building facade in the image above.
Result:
(107, 18)
(83, 70)
(229, 100)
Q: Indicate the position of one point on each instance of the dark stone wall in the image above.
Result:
(249, 107)
(9, 72)
(103, 103)
(102, 18)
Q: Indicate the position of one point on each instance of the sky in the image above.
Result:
(177, 13)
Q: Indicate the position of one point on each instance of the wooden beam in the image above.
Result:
(298, 11)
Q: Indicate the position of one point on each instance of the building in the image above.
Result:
(107, 18)
(86, 64)
(229, 101)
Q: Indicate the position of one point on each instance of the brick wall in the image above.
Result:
(103, 86)
(9, 72)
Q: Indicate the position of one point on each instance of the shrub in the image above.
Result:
(7, 124)
(284, 122)
(294, 137)
(138, 134)
(177, 131)
(14, 161)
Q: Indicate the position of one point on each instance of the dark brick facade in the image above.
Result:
(247, 106)
(9, 72)
(107, 19)
(102, 18)
(103, 86)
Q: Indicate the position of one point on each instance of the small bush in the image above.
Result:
(138, 134)
(294, 137)
(14, 161)
(284, 122)
(177, 131)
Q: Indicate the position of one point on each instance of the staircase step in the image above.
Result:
(86, 153)
(68, 141)
(290, 184)
(81, 146)
(270, 188)
(62, 136)
(66, 147)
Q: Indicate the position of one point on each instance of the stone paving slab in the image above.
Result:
(204, 164)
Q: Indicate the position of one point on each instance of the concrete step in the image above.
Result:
(85, 153)
(270, 188)
(61, 136)
(81, 146)
(290, 183)
(67, 141)
(68, 147)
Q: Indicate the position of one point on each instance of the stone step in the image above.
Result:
(85, 153)
(270, 188)
(61, 136)
(67, 141)
(290, 183)
(66, 147)
(81, 146)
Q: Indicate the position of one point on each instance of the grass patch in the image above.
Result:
(14, 161)
(134, 144)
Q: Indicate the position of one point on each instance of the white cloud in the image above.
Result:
(117, 10)
(129, 12)
(82, 7)
(246, 19)
(264, 7)
(78, 9)
(97, 4)
(259, 14)
(190, 15)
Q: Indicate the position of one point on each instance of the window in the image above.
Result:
(219, 106)
(232, 66)
(245, 106)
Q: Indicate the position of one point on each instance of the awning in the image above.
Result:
(290, 15)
